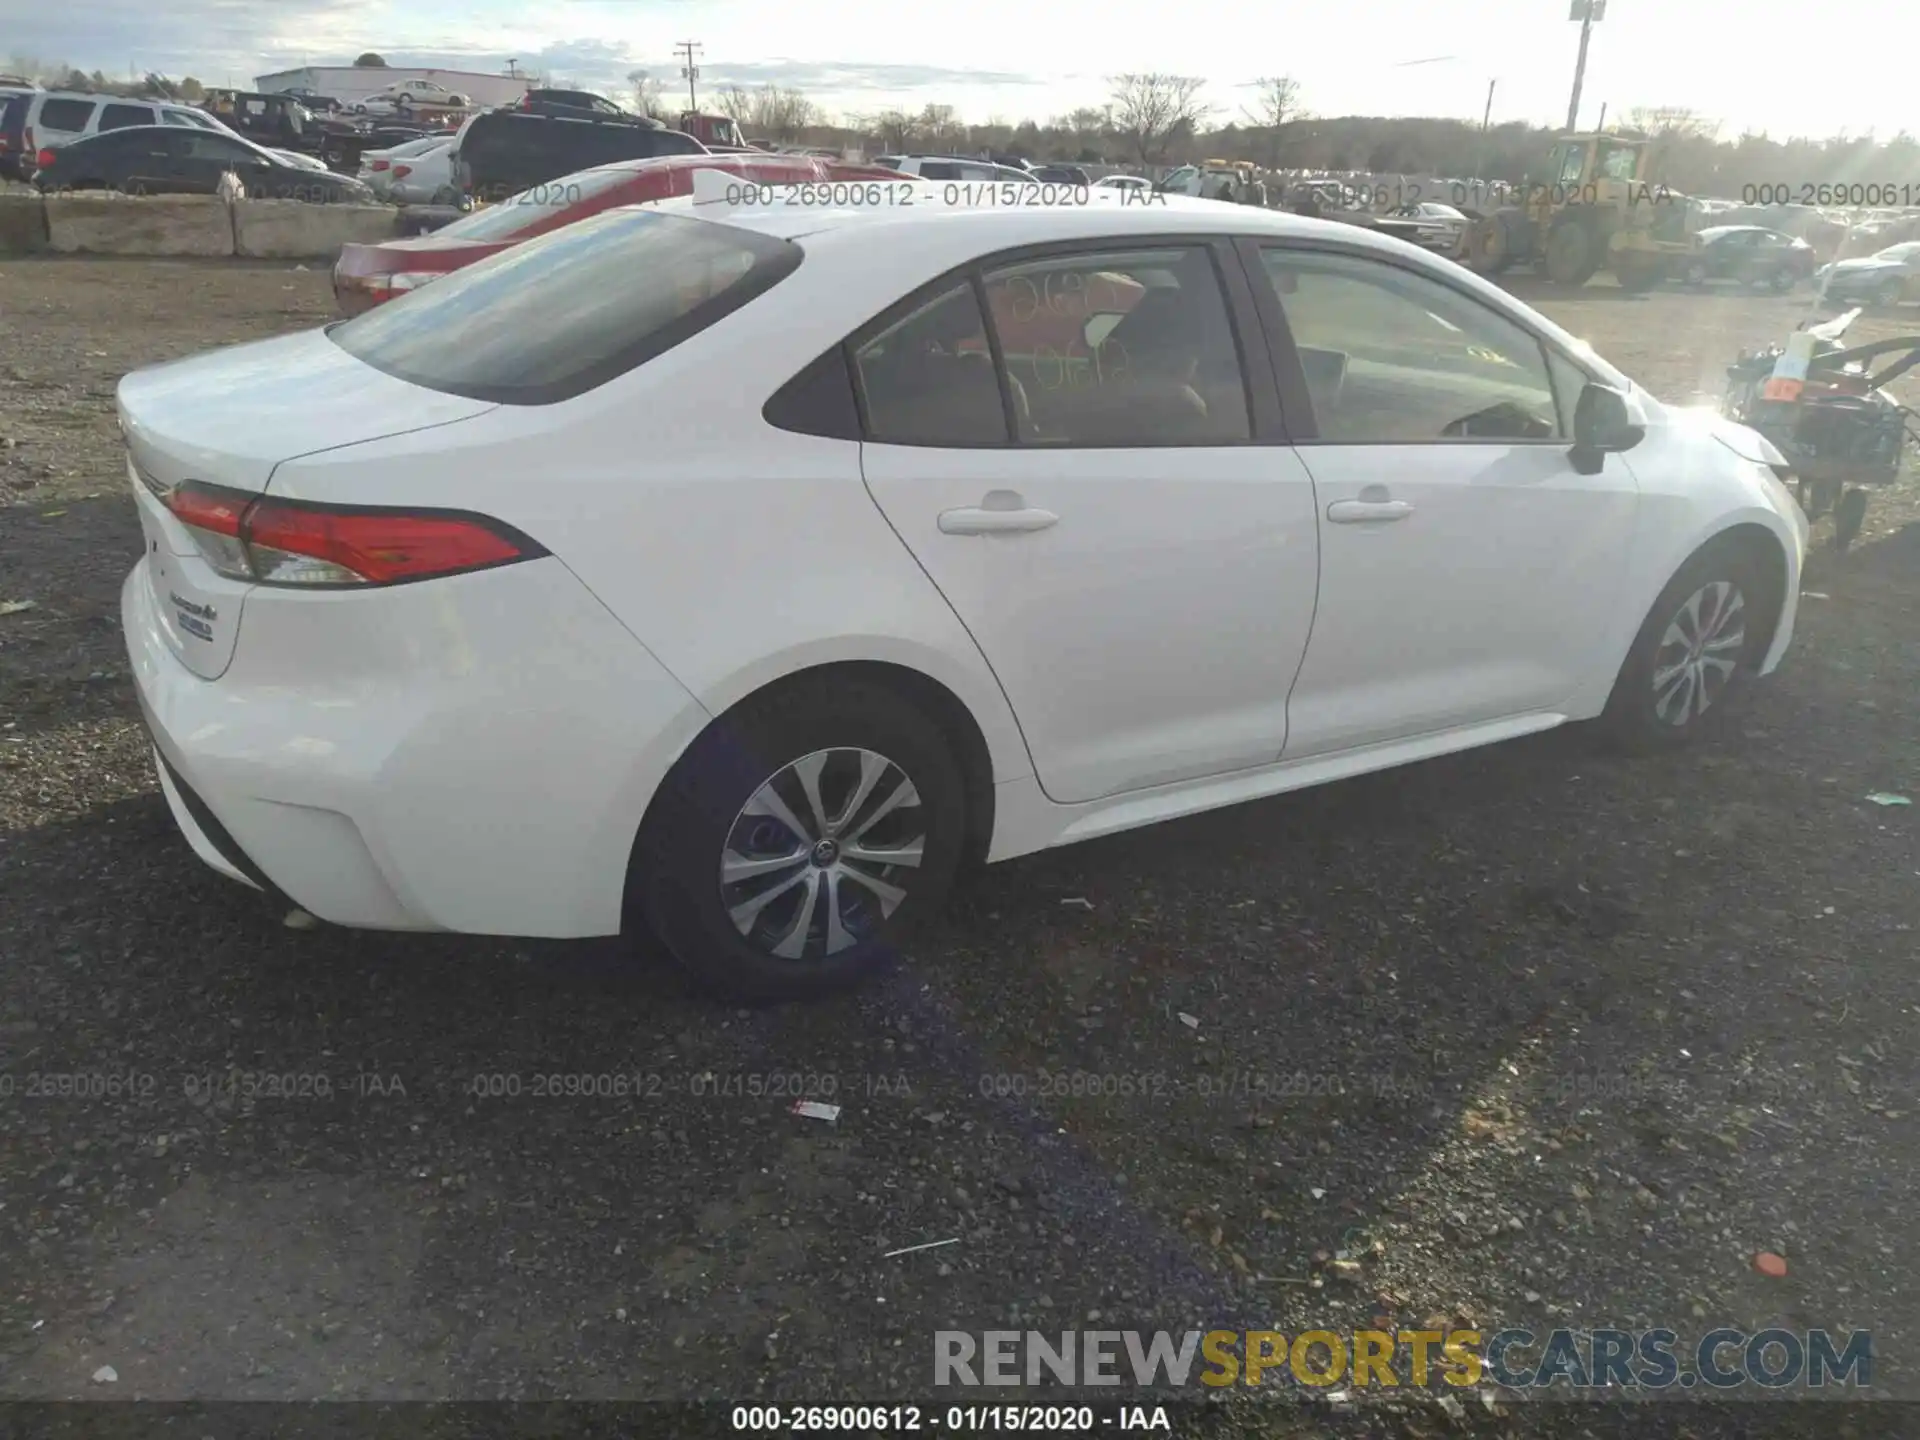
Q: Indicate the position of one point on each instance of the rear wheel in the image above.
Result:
(1695, 653)
(1848, 516)
(1573, 254)
(797, 836)
(1695, 273)
(1784, 280)
(1888, 295)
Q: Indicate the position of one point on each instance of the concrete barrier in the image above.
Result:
(109, 224)
(23, 224)
(297, 230)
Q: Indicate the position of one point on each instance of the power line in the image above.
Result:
(689, 52)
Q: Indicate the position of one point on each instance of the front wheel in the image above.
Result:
(797, 836)
(1696, 273)
(1695, 653)
(1888, 295)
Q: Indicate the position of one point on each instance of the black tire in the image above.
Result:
(1888, 295)
(1696, 273)
(1633, 720)
(675, 886)
(1573, 254)
(1848, 516)
(1783, 281)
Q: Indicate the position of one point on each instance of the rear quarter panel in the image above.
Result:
(735, 552)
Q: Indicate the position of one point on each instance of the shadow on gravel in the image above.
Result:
(1159, 1078)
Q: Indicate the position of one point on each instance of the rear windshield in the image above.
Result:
(570, 310)
(505, 219)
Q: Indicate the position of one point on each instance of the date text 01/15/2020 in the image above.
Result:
(903, 194)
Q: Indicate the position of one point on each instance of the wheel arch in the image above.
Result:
(1747, 533)
(956, 719)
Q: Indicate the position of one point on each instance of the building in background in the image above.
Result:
(352, 84)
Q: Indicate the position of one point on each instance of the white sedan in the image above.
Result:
(418, 172)
(405, 95)
(738, 570)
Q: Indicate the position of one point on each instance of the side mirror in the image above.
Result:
(1603, 424)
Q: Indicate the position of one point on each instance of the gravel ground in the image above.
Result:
(1534, 1036)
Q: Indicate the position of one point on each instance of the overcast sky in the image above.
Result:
(1765, 64)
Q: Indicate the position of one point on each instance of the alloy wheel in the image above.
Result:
(822, 853)
(1699, 652)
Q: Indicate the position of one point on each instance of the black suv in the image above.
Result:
(503, 152)
(573, 102)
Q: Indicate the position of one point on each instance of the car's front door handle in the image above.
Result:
(1002, 512)
(1361, 512)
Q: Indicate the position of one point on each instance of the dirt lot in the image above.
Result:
(1537, 1036)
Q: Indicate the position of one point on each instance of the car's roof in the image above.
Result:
(998, 224)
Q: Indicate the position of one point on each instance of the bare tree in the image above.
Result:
(647, 99)
(1276, 104)
(1675, 131)
(1151, 109)
(895, 129)
(769, 110)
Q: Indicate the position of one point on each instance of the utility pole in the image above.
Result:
(688, 50)
(1586, 12)
(1603, 116)
(1486, 120)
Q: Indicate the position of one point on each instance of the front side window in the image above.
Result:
(566, 312)
(1120, 349)
(207, 145)
(1393, 357)
(124, 117)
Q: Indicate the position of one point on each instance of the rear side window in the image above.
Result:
(69, 115)
(929, 379)
(122, 117)
(939, 170)
(561, 314)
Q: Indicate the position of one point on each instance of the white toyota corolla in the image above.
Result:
(740, 569)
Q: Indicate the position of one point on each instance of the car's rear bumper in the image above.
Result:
(472, 754)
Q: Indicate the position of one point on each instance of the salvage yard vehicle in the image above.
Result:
(54, 118)
(499, 154)
(1826, 407)
(171, 160)
(1431, 225)
(366, 275)
(827, 584)
(419, 172)
(1750, 254)
(408, 97)
(1887, 278)
(1599, 209)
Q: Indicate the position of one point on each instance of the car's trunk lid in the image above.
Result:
(228, 419)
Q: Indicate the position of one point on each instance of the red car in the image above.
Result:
(365, 275)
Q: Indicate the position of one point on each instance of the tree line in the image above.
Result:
(1152, 119)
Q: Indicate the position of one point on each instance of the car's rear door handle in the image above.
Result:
(1002, 512)
(1361, 512)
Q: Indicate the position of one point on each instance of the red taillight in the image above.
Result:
(282, 542)
(400, 172)
(43, 159)
(379, 164)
